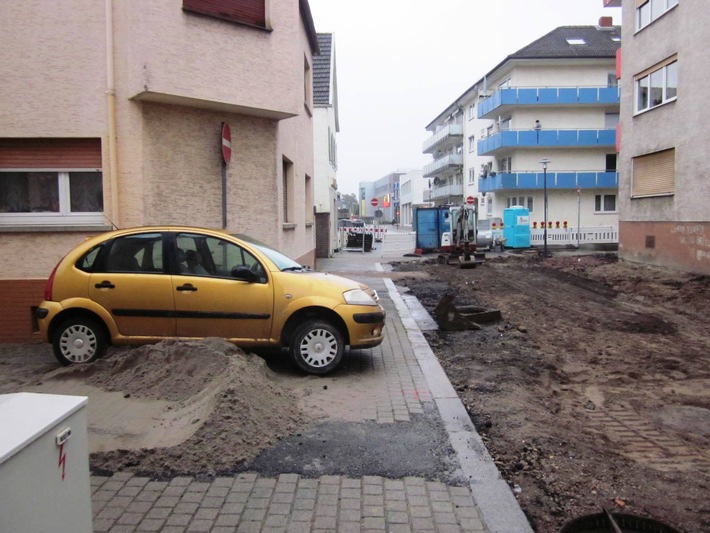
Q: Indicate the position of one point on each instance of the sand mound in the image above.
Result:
(222, 401)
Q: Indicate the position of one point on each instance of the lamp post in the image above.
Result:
(544, 162)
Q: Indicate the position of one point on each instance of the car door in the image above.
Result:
(131, 283)
(215, 304)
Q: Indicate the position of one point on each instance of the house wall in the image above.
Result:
(677, 225)
(178, 76)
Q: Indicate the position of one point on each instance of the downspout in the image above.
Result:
(111, 108)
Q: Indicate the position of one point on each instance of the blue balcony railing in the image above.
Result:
(546, 139)
(549, 96)
(503, 181)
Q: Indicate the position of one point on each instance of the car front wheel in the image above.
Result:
(317, 347)
(79, 340)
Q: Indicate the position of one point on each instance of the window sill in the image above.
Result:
(309, 224)
(672, 100)
(288, 226)
(54, 229)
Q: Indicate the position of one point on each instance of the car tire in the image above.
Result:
(78, 341)
(317, 347)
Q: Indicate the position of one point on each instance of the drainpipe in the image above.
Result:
(111, 108)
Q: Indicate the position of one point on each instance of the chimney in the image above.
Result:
(606, 22)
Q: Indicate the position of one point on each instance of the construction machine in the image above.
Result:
(459, 245)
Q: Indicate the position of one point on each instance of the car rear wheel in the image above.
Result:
(317, 347)
(79, 340)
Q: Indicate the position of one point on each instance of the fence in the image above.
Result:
(573, 236)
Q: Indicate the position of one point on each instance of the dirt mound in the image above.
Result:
(222, 399)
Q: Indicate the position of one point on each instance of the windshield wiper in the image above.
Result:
(292, 269)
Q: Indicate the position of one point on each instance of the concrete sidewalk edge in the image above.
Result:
(498, 506)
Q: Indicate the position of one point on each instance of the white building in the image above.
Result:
(411, 195)
(487, 143)
(325, 146)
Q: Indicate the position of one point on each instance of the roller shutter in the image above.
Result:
(654, 174)
(57, 154)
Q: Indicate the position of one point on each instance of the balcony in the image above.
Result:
(513, 139)
(496, 104)
(555, 180)
(447, 137)
(451, 161)
(446, 191)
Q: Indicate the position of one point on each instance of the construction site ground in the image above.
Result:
(593, 390)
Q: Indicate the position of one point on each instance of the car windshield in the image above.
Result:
(280, 260)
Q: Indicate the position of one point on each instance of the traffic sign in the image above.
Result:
(226, 142)
(470, 200)
(374, 202)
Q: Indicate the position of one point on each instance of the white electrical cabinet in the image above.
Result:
(44, 464)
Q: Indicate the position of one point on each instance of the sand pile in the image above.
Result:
(222, 401)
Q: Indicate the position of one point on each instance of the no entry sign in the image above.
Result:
(374, 202)
(470, 200)
(226, 142)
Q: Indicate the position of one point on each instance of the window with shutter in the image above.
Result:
(251, 12)
(653, 174)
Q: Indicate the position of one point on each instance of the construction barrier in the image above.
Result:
(397, 244)
(574, 236)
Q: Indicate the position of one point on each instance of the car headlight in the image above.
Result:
(358, 297)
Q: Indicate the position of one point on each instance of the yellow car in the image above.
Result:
(142, 285)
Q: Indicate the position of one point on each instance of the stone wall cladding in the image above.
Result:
(19, 296)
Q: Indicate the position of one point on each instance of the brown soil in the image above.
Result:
(593, 390)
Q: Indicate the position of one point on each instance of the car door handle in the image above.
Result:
(187, 287)
(105, 285)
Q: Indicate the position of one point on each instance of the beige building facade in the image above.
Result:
(112, 115)
(664, 186)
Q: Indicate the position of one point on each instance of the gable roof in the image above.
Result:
(598, 42)
(321, 70)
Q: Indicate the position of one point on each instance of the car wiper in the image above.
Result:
(292, 269)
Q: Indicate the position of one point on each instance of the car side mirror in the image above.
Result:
(243, 273)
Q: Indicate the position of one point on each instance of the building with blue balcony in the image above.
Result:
(556, 99)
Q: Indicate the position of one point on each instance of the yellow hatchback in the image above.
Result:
(142, 285)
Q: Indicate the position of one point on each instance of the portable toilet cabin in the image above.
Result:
(516, 227)
(430, 223)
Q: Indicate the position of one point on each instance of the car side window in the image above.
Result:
(88, 260)
(227, 256)
(136, 253)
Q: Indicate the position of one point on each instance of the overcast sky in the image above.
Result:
(400, 63)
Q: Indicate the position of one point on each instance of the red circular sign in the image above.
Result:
(226, 142)
(374, 202)
(470, 200)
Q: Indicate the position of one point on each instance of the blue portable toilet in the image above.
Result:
(430, 223)
(516, 227)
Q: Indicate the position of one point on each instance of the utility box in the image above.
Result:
(516, 227)
(44, 464)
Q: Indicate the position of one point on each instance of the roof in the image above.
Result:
(598, 42)
(321, 70)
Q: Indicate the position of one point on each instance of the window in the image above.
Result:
(307, 84)
(657, 85)
(505, 164)
(649, 10)
(50, 182)
(287, 182)
(251, 12)
(471, 175)
(471, 111)
(653, 174)
(471, 144)
(523, 201)
(489, 206)
(309, 199)
(605, 203)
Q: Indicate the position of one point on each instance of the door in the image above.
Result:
(133, 285)
(215, 304)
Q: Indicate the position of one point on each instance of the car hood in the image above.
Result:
(323, 277)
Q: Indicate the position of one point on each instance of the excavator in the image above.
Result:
(459, 247)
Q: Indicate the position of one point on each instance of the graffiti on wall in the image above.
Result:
(693, 236)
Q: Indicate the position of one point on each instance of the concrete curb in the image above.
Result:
(498, 507)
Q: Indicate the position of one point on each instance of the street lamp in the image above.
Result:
(544, 162)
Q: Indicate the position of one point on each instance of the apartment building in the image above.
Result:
(664, 185)
(326, 125)
(118, 114)
(555, 99)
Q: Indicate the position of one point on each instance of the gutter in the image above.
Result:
(111, 109)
